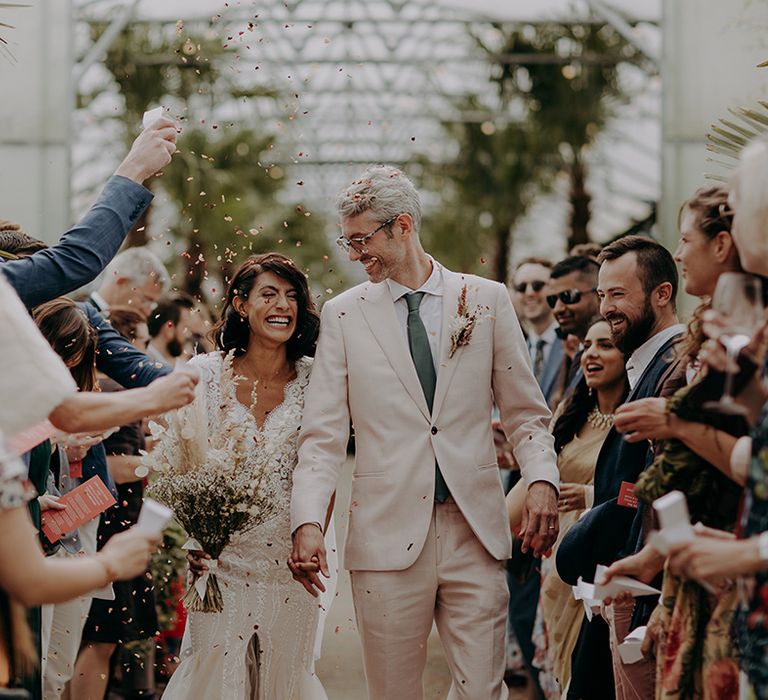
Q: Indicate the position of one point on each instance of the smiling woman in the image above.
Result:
(286, 304)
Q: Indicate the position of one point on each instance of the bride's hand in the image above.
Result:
(196, 559)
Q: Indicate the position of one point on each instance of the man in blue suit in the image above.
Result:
(530, 286)
(637, 286)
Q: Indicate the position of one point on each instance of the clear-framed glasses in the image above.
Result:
(359, 241)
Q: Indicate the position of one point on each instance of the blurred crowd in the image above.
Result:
(644, 406)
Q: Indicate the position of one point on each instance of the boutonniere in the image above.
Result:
(463, 323)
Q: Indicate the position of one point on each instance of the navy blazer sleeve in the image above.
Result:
(117, 358)
(83, 251)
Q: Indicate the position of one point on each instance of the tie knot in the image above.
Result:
(414, 300)
(540, 343)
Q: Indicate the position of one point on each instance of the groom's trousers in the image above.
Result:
(454, 582)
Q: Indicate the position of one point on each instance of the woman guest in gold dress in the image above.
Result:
(580, 425)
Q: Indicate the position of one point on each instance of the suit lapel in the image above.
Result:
(452, 283)
(379, 313)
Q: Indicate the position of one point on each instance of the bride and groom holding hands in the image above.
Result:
(414, 360)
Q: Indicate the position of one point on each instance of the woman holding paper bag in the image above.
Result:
(580, 423)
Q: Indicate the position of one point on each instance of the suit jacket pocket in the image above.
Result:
(365, 475)
(491, 465)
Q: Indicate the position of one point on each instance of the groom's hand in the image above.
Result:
(540, 518)
(307, 558)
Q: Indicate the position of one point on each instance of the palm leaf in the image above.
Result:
(729, 135)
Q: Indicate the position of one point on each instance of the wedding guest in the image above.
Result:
(544, 345)
(83, 251)
(34, 579)
(136, 278)
(131, 615)
(690, 625)
(637, 287)
(39, 383)
(572, 296)
(169, 327)
(580, 426)
(713, 556)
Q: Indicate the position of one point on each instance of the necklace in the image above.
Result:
(599, 421)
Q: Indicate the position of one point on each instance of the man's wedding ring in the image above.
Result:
(551, 527)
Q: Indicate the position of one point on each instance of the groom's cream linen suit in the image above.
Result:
(412, 559)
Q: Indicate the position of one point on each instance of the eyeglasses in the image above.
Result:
(359, 242)
(568, 297)
(536, 285)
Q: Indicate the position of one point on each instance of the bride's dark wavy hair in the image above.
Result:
(232, 331)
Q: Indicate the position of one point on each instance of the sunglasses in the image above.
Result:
(536, 285)
(568, 297)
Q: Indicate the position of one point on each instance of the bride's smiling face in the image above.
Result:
(271, 309)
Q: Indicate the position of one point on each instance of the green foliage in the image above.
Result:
(496, 174)
(221, 182)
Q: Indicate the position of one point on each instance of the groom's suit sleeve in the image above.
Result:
(523, 410)
(325, 426)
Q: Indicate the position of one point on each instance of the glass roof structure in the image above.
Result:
(363, 81)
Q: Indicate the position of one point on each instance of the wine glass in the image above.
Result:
(738, 298)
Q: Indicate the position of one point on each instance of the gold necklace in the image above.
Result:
(598, 420)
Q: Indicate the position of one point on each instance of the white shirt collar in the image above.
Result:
(549, 336)
(640, 359)
(100, 301)
(433, 285)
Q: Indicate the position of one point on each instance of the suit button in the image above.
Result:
(434, 430)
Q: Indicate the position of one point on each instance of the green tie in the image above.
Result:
(418, 342)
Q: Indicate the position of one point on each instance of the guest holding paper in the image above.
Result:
(581, 424)
(131, 615)
(689, 627)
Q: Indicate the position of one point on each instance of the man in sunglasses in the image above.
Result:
(545, 347)
(572, 294)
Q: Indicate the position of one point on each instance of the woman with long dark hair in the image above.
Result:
(261, 645)
(580, 425)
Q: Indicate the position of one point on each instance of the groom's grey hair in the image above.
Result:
(383, 190)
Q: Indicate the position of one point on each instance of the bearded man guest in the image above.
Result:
(637, 286)
(415, 359)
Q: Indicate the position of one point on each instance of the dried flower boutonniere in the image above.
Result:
(463, 323)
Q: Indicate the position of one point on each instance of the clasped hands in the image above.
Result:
(307, 559)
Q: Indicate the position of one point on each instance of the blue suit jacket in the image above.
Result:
(551, 371)
(83, 251)
(119, 360)
(603, 534)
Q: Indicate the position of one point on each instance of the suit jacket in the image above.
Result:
(604, 533)
(363, 370)
(131, 368)
(83, 251)
(552, 371)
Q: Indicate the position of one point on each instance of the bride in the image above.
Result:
(261, 646)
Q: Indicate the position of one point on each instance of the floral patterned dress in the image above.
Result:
(751, 625)
(261, 645)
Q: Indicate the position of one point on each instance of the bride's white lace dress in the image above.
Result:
(261, 646)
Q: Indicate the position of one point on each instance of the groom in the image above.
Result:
(416, 358)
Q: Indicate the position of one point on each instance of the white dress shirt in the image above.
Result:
(641, 358)
(430, 310)
(100, 301)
